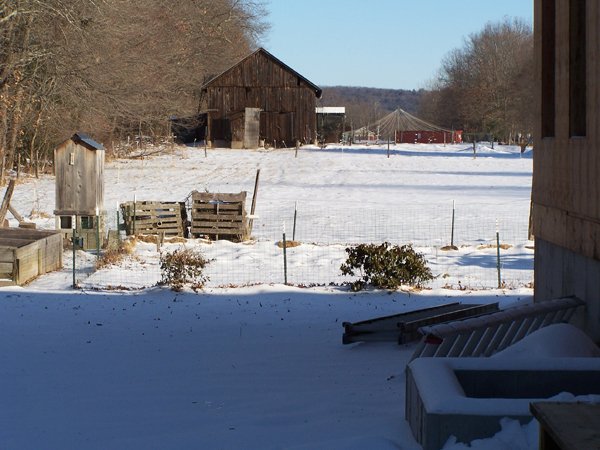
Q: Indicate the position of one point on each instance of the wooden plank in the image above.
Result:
(230, 208)
(219, 224)
(6, 200)
(7, 254)
(6, 267)
(206, 197)
(568, 426)
(217, 217)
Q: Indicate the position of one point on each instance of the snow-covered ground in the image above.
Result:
(260, 366)
(344, 195)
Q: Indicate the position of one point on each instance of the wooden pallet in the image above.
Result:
(219, 216)
(491, 333)
(147, 217)
(404, 327)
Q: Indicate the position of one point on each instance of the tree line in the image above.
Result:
(117, 67)
(487, 86)
(366, 105)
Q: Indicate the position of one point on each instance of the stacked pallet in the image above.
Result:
(147, 217)
(220, 216)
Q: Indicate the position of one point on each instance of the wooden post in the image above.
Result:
(388, 148)
(284, 257)
(74, 218)
(253, 207)
(6, 200)
(498, 256)
(134, 212)
(452, 233)
(295, 216)
(97, 233)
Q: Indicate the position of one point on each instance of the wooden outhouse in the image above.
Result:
(79, 169)
(566, 163)
(260, 100)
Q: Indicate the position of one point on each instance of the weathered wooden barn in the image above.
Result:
(566, 176)
(260, 99)
(79, 169)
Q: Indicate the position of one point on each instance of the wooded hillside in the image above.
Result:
(365, 105)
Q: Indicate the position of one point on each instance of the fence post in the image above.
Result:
(97, 233)
(284, 257)
(134, 212)
(498, 256)
(74, 239)
(118, 230)
(295, 215)
(452, 232)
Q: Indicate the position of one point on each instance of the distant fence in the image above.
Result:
(324, 233)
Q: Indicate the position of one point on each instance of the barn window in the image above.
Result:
(577, 68)
(71, 159)
(87, 222)
(66, 222)
(548, 67)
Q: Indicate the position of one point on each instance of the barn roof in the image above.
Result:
(86, 141)
(318, 91)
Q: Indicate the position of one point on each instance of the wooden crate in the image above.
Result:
(25, 254)
(220, 216)
(155, 217)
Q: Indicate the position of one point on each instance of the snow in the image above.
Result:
(260, 365)
(558, 340)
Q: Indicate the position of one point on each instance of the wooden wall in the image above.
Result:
(79, 186)
(26, 254)
(287, 101)
(566, 177)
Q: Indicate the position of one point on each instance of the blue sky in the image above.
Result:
(396, 44)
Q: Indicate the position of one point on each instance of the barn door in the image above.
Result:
(251, 127)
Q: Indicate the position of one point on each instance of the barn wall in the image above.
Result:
(566, 181)
(566, 185)
(287, 101)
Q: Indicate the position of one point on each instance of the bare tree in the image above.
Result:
(112, 67)
(486, 86)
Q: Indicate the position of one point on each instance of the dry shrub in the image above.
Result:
(176, 240)
(502, 246)
(148, 238)
(114, 256)
(181, 267)
(288, 244)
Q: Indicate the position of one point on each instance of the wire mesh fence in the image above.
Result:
(321, 236)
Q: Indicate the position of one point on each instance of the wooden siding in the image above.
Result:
(566, 180)
(286, 100)
(79, 186)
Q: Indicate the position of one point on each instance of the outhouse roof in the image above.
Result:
(86, 141)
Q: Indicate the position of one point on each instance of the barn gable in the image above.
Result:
(259, 99)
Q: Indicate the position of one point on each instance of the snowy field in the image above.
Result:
(260, 366)
(343, 196)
